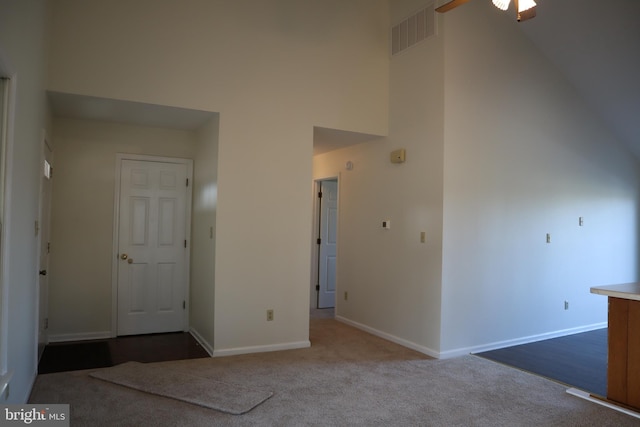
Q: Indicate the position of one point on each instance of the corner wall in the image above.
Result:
(392, 279)
(273, 69)
(525, 156)
(203, 233)
(23, 56)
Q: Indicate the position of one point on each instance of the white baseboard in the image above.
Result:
(262, 348)
(474, 349)
(7, 396)
(389, 337)
(204, 343)
(5, 379)
(84, 336)
(518, 341)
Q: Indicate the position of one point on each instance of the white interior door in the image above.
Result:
(43, 242)
(152, 247)
(328, 233)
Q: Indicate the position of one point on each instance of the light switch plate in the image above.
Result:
(398, 156)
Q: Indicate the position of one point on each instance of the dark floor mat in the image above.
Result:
(76, 356)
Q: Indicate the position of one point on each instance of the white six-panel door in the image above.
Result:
(152, 247)
(328, 234)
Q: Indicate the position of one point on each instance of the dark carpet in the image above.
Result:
(578, 360)
(75, 356)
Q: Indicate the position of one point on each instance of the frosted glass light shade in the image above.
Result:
(502, 4)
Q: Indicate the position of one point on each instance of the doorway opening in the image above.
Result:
(325, 249)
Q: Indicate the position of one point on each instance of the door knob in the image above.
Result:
(43, 272)
(130, 260)
(124, 256)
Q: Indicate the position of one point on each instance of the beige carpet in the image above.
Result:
(198, 390)
(346, 378)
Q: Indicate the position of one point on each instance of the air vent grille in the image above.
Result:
(413, 30)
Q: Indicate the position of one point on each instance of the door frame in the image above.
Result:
(7, 182)
(116, 226)
(43, 238)
(315, 249)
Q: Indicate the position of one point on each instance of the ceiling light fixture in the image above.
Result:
(525, 9)
(501, 4)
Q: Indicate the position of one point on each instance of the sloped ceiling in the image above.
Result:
(596, 44)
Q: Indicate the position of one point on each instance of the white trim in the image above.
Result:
(203, 343)
(45, 145)
(5, 379)
(262, 348)
(586, 396)
(5, 265)
(467, 350)
(389, 337)
(83, 336)
(116, 209)
(316, 218)
(31, 383)
(519, 341)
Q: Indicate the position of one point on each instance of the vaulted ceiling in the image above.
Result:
(596, 45)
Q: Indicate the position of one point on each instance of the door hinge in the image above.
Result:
(46, 323)
(184, 305)
(36, 227)
(185, 243)
(187, 182)
(319, 194)
(48, 247)
(317, 287)
(319, 241)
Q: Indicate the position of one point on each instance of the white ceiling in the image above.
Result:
(325, 139)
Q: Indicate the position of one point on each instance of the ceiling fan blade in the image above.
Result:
(450, 5)
(527, 14)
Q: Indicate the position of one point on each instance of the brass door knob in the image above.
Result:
(124, 256)
(130, 260)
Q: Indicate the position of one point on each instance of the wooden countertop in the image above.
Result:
(625, 290)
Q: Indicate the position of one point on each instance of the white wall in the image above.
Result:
(203, 231)
(326, 58)
(500, 151)
(392, 279)
(273, 69)
(23, 55)
(525, 157)
(82, 217)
